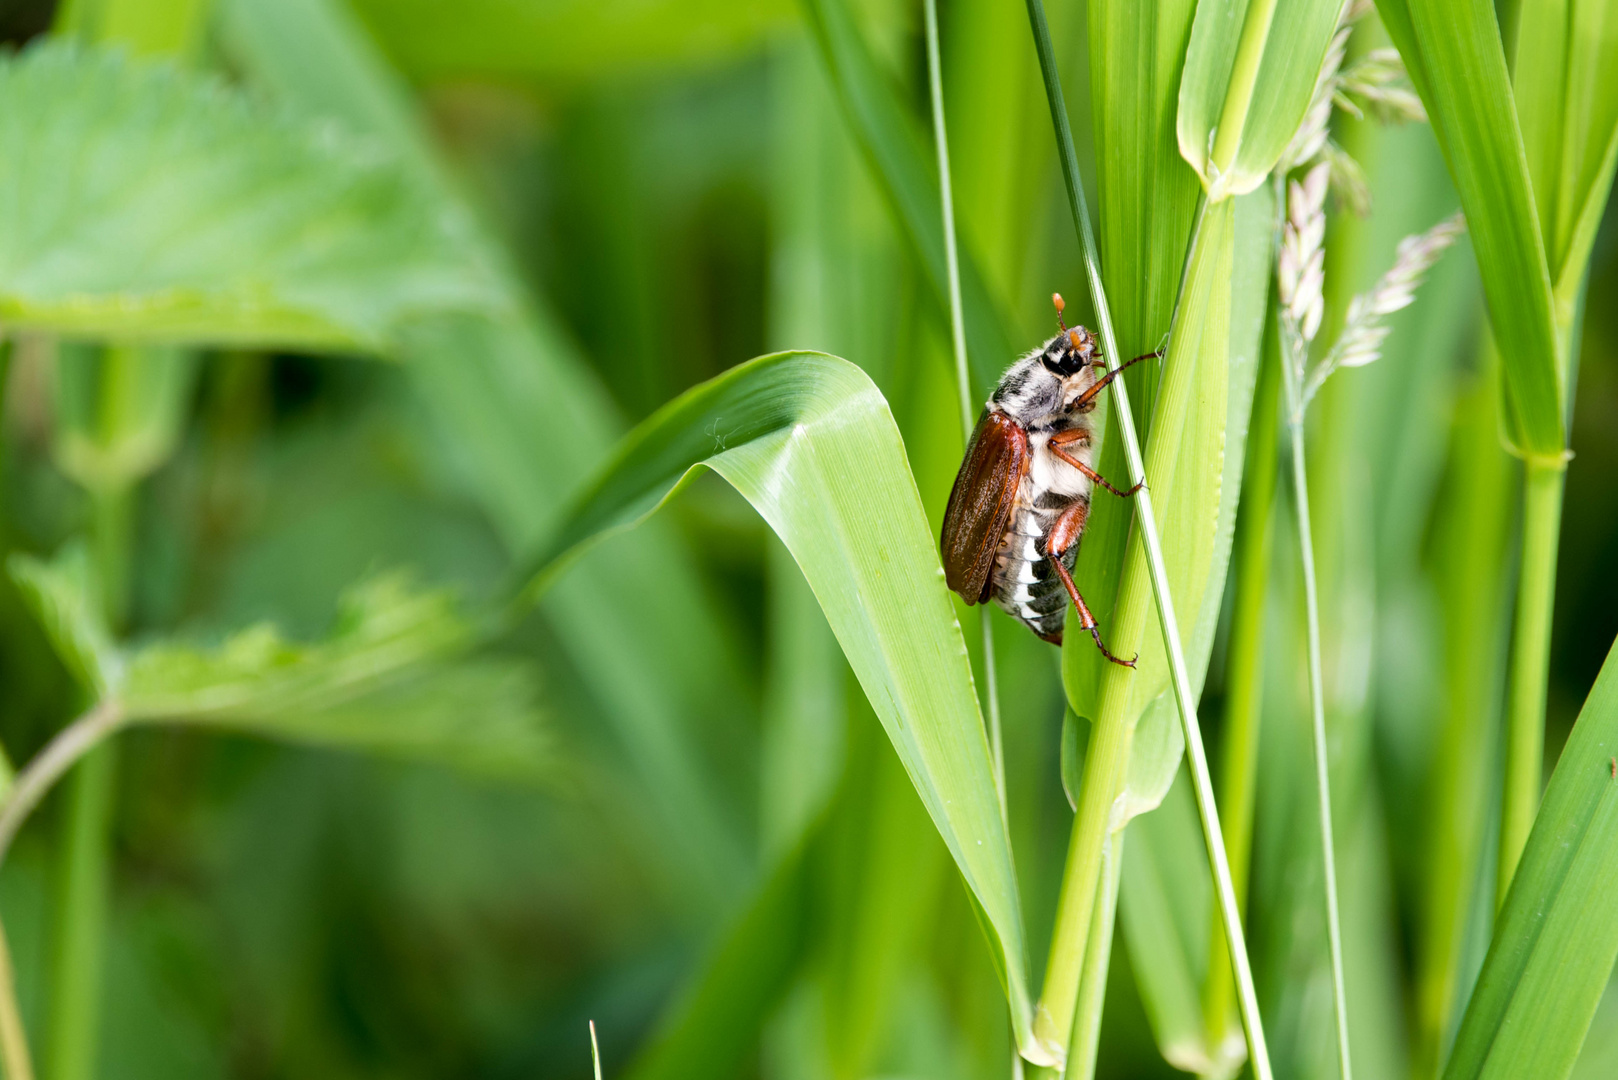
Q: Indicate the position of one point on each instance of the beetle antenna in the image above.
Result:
(1061, 306)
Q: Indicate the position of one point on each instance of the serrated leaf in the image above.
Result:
(809, 441)
(1250, 71)
(383, 628)
(138, 202)
(1557, 935)
(65, 598)
(394, 676)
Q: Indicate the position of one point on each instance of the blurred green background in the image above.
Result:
(674, 186)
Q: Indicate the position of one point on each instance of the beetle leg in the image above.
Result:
(1063, 535)
(1086, 397)
(1057, 442)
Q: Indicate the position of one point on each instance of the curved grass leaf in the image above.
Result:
(1250, 71)
(1452, 49)
(808, 440)
(888, 134)
(139, 202)
(1557, 935)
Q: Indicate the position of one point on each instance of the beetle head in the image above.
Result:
(1070, 351)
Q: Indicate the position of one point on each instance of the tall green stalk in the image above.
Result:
(963, 377)
(84, 839)
(1112, 735)
(1530, 663)
(1244, 680)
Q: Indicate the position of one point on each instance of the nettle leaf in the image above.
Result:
(392, 677)
(139, 202)
(809, 441)
(395, 675)
(66, 599)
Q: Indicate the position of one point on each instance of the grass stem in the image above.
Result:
(963, 377)
(1530, 663)
(83, 853)
(1317, 708)
(1201, 782)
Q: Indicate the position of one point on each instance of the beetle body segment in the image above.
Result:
(1014, 484)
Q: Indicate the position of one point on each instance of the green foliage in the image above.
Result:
(143, 203)
(556, 216)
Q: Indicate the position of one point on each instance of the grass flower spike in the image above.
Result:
(1301, 267)
(1360, 343)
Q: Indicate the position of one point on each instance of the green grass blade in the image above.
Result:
(1146, 193)
(1453, 51)
(1567, 102)
(808, 440)
(1250, 70)
(1557, 935)
(145, 204)
(888, 134)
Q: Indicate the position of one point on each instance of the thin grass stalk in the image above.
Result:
(1317, 708)
(963, 377)
(1530, 664)
(1203, 785)
(1244, 679)
(13, 1037)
